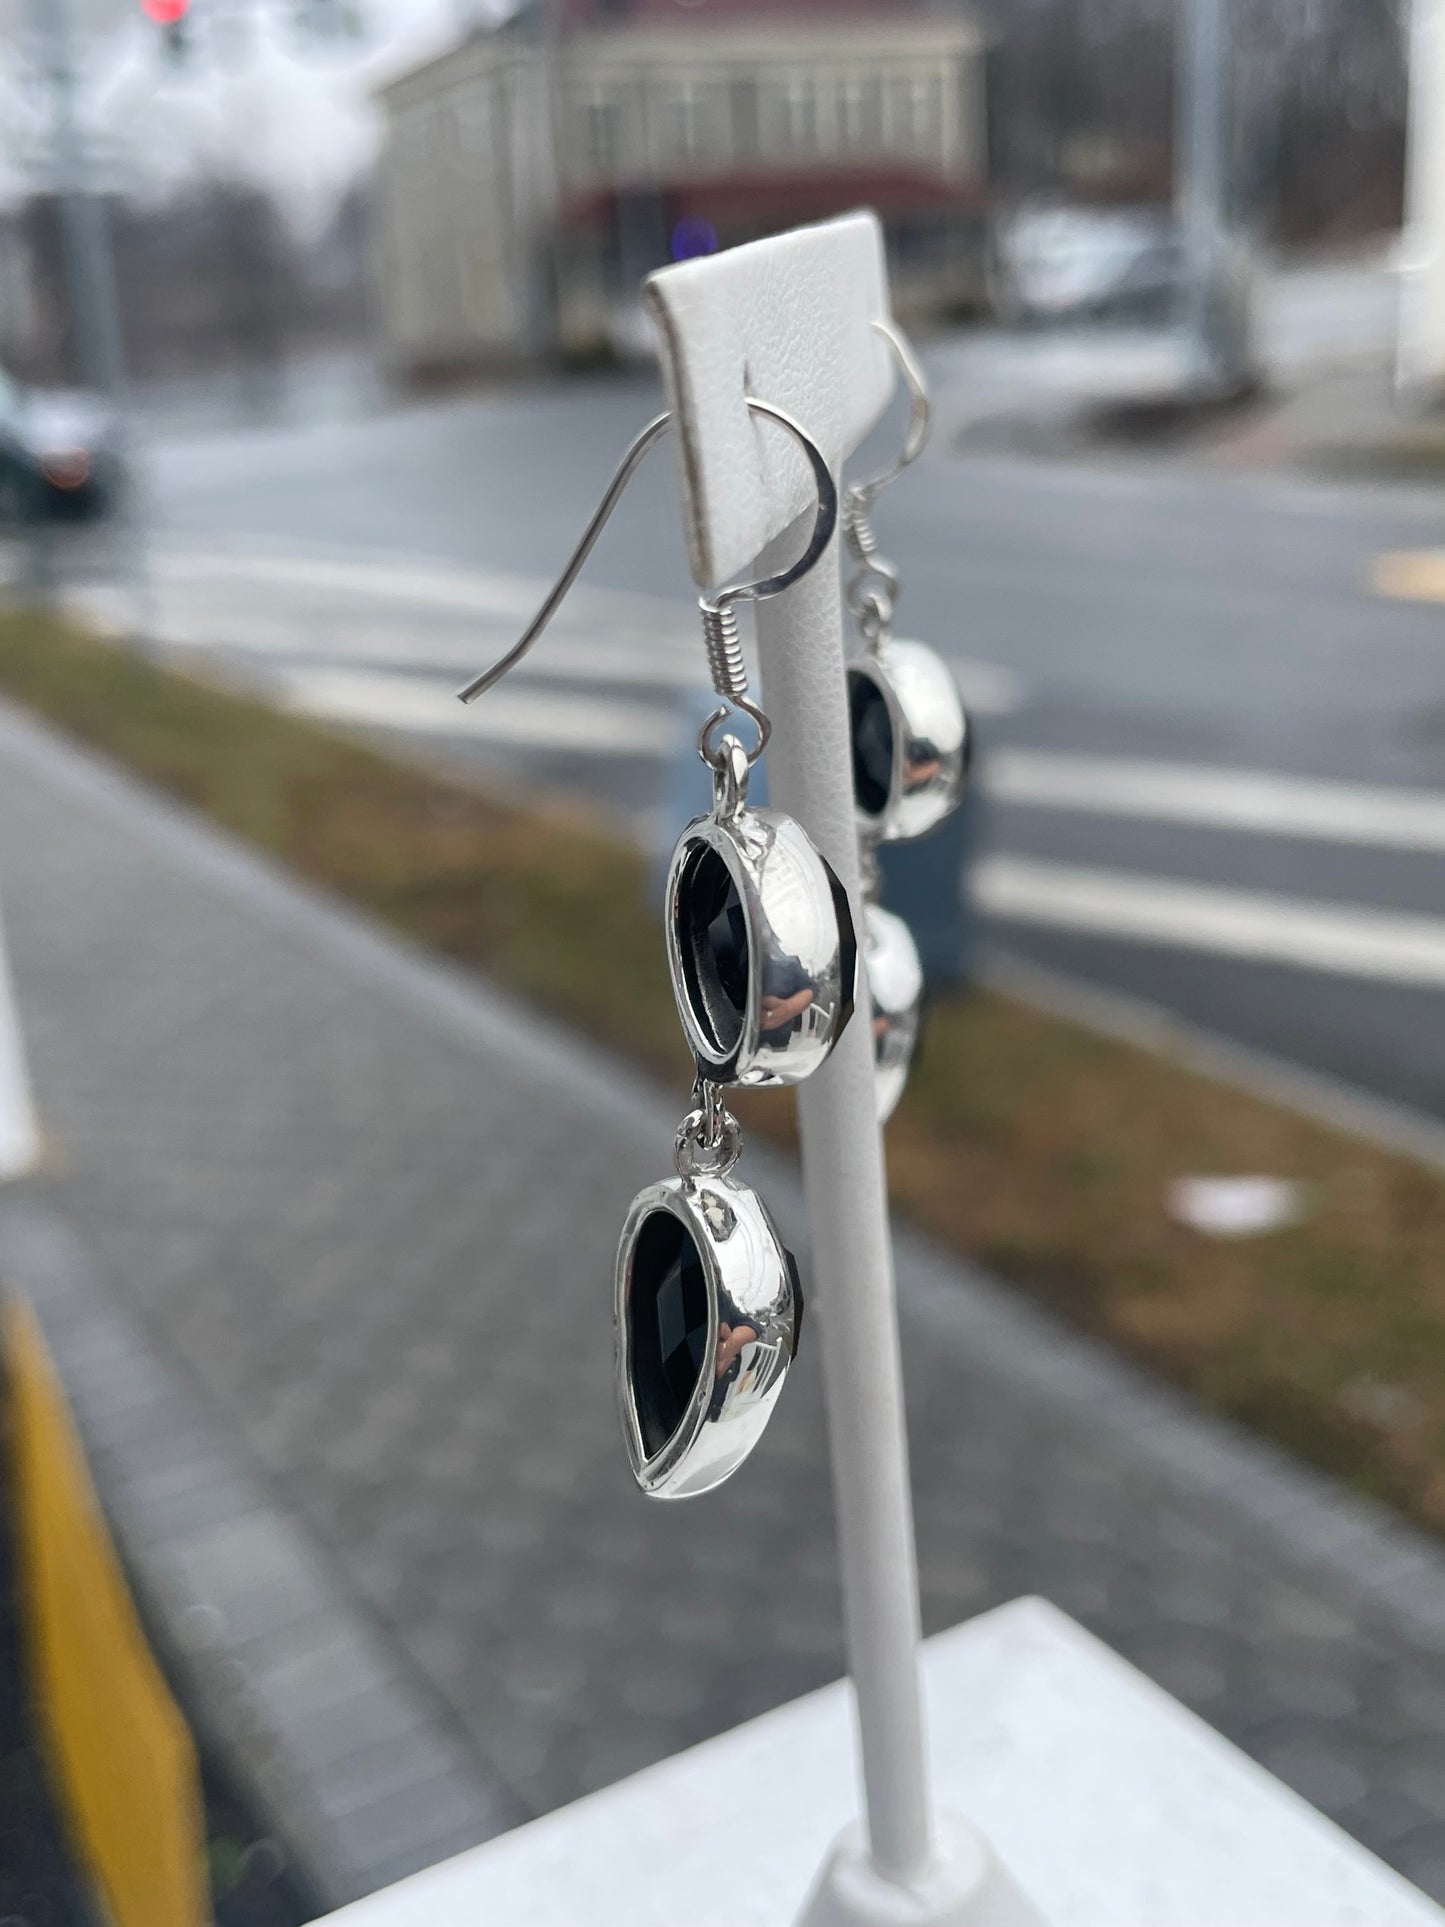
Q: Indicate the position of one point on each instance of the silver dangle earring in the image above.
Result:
(910, 734)
(762, 956)
(708, 1306)
(910, 743)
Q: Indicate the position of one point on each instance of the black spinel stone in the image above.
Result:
(666, 1326)
(872, 729)
(797, 1283)
(847, 950)
(713, 941)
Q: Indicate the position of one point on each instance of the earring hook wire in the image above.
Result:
(861, 495)
(872, 591)
(716, 607)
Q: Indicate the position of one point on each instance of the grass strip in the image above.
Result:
(1029, 1143)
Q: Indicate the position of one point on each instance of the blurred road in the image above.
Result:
(1214, 750)
(1308, 317)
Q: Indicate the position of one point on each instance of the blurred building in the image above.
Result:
(533, 174)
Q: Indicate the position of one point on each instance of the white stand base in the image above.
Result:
(1109, 1806)
(964, 1887)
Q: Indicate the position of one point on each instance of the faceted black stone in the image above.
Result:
(847, 949)
(713, 942)
(872, 731)
(666, 1326)
(797, 1284)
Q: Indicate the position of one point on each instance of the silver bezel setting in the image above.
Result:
(895, 992)
(930, 739)
(746, 1267)
(800, 941)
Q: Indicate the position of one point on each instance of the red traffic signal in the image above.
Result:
(165, 13)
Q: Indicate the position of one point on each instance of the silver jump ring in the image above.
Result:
(874, 610)
(699, 1154)
(877, 569)
(875, 589)
(730, 772)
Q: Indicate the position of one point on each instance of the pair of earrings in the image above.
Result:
(763, 956)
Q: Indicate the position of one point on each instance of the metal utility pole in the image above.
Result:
(95, 310)
(1218, 294)
(89, 266)
(1420, 350)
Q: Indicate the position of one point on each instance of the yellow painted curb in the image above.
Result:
(122, 1763)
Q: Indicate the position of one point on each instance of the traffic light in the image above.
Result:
(171, 17)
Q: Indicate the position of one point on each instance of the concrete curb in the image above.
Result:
(250, 1589)
(1149, 1027)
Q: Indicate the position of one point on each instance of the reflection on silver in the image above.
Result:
(907, 790)
(895, 986)
(760, 946)
(744, 1333)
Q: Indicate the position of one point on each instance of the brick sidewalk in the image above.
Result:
(366, 1209)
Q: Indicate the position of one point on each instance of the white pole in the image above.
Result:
(1420, 352)
(810, 777)
(19, 1132)
(905, 1869)
(90, 278)
(1200, 193)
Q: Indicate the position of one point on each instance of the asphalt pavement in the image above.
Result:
(1213, 745)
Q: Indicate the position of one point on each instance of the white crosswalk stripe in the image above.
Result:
(186, 624)
(1224, 799)
(1261, 928)
(1346, 939)
(505, 597)
(383, 643)
(590, 725)
(343, 612)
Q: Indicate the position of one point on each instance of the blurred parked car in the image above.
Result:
(59, 452)
(1055, 262)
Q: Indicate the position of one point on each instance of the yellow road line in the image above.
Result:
(1410, 575)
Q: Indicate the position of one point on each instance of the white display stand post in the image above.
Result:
(789, 321)
(19, 1133)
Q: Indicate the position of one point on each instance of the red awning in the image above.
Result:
(764, 200)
